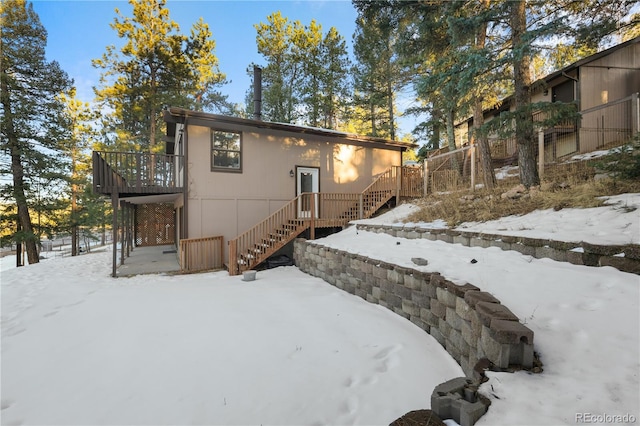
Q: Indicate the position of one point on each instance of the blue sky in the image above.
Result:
(79, 31)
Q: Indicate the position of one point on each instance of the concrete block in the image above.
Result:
(412, 234)
(461, 239)
(460, 290)
(497, 353)
(601, 250)
(446, 297)
(438, 309)
(458, 399)
(400, 312)
(453, 351)
(412, 282)
(437, 280)
(429, 236)
(452, 318)
(379, 272)
(632, 251)
(544, 251)
(463, 309)
(395, 276)
(420, 299)
(501, 244)
(524, 249)
(479, 242)
(512, 332)
(446, 238)
(624, 264)
(394, 301)
(505, 354)
(473, 297)
(488, 311)
(419, 322)
(436, 334)
(429, 317)
(574, 257)
(402, 291)
(444, 327)
(429, 290)
(375, 292)
(467, 333)
(410, 308)
(455, 337)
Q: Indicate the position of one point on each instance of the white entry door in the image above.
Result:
(307, 180)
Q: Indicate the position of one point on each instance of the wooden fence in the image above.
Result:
(201, 254)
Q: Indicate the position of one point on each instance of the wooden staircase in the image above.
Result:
(333, 210)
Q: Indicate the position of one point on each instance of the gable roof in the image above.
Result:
(541, 83)
(587, 60)
(174, 115)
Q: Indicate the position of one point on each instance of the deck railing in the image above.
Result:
(310, 211)
(247, 247)
(201, 254)
(137, 172)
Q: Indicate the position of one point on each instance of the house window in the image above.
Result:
(226, 151)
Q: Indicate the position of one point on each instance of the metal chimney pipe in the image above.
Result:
(257, 93)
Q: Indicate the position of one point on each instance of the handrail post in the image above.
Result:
(361, 206)
(398, 184)
(313, 216)
(233, 258)
(138, 172)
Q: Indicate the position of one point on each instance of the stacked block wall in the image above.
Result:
(469, 323)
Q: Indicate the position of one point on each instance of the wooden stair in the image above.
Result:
(263, 240)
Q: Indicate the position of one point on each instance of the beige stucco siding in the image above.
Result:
(229, 203)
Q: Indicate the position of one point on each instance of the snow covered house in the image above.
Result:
(233, 191)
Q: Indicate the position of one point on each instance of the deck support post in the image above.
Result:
(124, 236)
(114, 225)
(473, 167)
(541, 154)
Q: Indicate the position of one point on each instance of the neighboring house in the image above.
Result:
(603, 86)
(256, 184)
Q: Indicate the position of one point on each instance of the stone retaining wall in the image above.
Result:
(625, 258)
(469, 323)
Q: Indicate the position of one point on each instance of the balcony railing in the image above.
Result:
(136, 173)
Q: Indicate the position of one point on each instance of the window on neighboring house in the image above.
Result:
(226, 151)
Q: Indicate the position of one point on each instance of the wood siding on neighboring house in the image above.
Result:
(605, 88)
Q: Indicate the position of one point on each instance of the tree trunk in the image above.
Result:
(482, 141)
(451, 140)
(17, 170)
(522, 97)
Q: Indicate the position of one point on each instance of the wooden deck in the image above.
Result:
(136, 173)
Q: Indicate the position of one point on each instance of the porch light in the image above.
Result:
(291, 173)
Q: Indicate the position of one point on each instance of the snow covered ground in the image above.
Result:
(79, 347)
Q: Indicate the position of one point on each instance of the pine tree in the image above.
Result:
(156, 67)
(378, 74)
(82, 137)
(32, 113)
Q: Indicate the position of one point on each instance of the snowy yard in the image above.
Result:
(81, 348)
